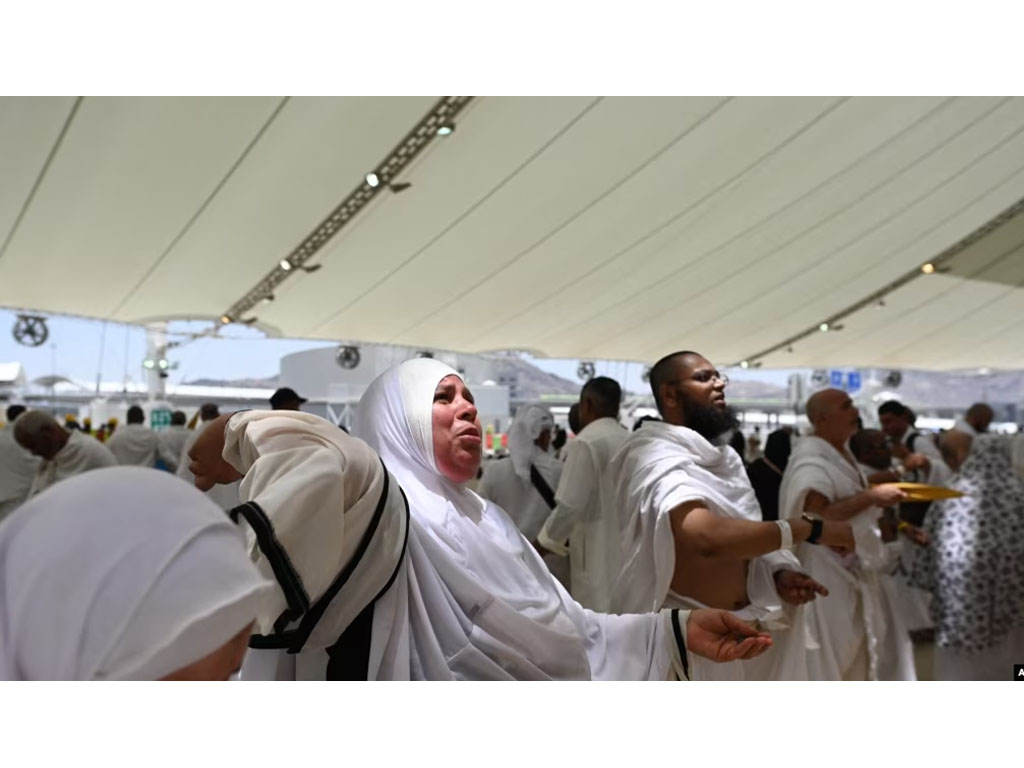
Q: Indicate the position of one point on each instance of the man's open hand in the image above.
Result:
(797, 588)
(720, 636)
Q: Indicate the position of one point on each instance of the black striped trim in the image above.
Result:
(287, 577)
(313, 616)
(680, 643)
(293, 640)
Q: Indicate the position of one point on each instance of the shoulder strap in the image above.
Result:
(542, 486)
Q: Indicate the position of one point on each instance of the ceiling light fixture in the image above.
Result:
(224, 319)
(285, 265)
(823, 327)
(446, 129)
(268, 298)
(928, 268)
(744, 364)
(372, 179)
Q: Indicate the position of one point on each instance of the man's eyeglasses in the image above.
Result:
(703, 377)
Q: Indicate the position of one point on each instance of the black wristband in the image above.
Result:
(816, 528)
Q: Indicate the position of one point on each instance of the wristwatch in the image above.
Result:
(817, 525)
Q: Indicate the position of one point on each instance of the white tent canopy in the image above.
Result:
(602, 228)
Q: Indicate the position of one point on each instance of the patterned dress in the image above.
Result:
(974, 565)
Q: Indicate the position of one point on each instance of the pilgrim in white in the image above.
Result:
(860, 636)
(124, 574)
(584, 514)
(64, 454)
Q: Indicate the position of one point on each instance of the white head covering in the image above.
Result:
(120, 574)
(396, 418)
(531, 419)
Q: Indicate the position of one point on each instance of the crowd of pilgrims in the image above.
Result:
(275, 545)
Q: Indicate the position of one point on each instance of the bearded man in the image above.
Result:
(691, 530)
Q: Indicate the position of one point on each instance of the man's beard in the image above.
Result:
(708, 421)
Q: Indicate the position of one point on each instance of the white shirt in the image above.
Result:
(17, 469)
(134, 445)
(585, 514)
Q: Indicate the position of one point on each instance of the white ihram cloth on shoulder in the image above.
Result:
(660, 467)
(120, 574)
(80, 454)
(473, 599)
(860, 634)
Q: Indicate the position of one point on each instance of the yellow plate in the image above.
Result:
(924, 492)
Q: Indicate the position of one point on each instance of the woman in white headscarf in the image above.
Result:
(524, 484)
(124, 574)
(473, 600)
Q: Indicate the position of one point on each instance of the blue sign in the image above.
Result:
(853, 381)
(836, 379)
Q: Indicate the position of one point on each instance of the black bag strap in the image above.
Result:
(295, 639)
(542, 487)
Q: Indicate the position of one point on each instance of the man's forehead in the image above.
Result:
(692, 363)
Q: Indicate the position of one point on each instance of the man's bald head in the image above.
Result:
(206, 460)
(40, 434)
(979, 416)
(833, 415)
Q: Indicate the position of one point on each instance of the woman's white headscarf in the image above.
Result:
(531, 419)
(120, 574)
(474, 600)
(396, 418)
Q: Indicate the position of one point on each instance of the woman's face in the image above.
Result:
(220, 664)
(458, 438)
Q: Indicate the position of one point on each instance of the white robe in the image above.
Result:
(659, 467)
(224, 496)
(80, 454)
(134, 445)
(17, 469)
(473, 599)
(586, 516)
(912, 604)
(328, 525)
(859, 633)
(170, 443)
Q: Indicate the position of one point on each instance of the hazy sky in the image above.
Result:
(78, 348)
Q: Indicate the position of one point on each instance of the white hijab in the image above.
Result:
(474, 599)
(120, 574)
(531, 419)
